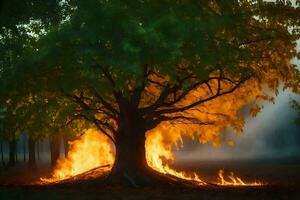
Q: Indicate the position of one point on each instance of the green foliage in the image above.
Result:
(14, 12)
(77, 42)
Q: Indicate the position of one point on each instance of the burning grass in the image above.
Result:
(233, 180)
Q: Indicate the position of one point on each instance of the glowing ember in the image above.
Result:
(90, 151)
(233, 180)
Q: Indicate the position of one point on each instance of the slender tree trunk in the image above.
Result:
(54, 149)
(16, 151)
(38, 150)
(12, 153)
(2, 154)
(66, 139)
(24, 150)
(31, 154)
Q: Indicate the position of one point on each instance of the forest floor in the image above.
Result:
(82, 192)
(283, 178)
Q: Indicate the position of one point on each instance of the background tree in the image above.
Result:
(296, 106)
(128, 67)
(22, 23)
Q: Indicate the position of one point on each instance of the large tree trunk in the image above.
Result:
(12, 153)
(31, 151)
(130, 165)
(54, 149)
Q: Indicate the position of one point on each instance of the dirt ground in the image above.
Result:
(93, 192)
(283, 178)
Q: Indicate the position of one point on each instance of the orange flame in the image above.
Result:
(93, 150)
(234, 180)
(90, 151)
(159, 156)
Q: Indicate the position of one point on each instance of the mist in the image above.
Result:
(272, 134)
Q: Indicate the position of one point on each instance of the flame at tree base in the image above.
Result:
(159, 155)
(92, 150)
(92, 156)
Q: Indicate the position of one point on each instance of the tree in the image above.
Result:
(9, 133)
(127, 67)
(21, 26)
(43, 123)
(13, 44)
(31, 154)
(296, 106)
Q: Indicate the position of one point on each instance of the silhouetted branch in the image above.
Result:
(105, 103)
(107, 75)
(185, 120)
(98, 125)
(192, 105)
(139, 89)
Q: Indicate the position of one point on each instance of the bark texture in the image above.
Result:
(130, 165)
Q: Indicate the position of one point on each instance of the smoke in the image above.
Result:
(271, 134)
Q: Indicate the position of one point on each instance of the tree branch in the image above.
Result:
(184, 108)
(136, 97)
(105, 103)
(167, 90)
(98, 125)
(186, 120)
(107, 74)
